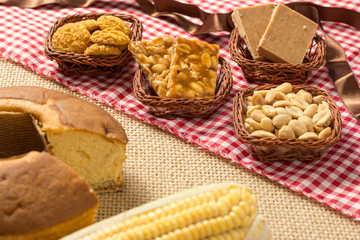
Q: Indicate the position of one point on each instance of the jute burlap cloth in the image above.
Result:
(160, 164)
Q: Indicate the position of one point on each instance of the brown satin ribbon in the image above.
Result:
(339, 69)
(37, 3)
(211, 22)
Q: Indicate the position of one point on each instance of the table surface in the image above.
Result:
(160, 164)
(333, 181)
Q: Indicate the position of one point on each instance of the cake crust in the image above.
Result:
(38, 192)
(69, 110)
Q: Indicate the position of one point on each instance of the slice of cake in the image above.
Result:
(79, 133)
(42, 198)
(251, 23)
(287, 36)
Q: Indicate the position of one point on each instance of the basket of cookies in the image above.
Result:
(286, 122)
(178, 77)
(93, 43)
(275, 44)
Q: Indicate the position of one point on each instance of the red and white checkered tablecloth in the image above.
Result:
(334, 181)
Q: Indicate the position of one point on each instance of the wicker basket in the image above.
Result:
(75, 64)
(289, 149)
(269, 72)
(184, 107)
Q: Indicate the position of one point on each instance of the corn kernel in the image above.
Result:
(239, 211)
(207, 227)
(235, 218)
(194, 232)
(245, 206)
(201, 230)
(221, 222)
(214, 226)
(223, 210)
(228, 222)
(214, 208)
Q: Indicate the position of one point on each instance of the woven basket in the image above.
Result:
(269, 72)
(77, 64)
(184, 107)
(289, 149)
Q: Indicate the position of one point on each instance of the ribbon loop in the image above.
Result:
(339, 69)
(211, 22)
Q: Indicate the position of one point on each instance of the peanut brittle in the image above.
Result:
(179, 68)
(193, 69)
(154, 57)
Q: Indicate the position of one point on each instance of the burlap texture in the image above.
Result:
(160, 164)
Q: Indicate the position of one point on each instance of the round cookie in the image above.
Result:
(90, 24)
(98, 49)
(71, 37)
(110, 36)
(108, 21)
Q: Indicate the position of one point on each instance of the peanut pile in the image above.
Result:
(279, 112)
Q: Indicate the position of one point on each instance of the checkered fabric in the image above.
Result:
(334, 180)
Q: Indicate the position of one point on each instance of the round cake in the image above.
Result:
(79, 133)
(42, 198)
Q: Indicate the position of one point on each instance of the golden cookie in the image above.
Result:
(110, 37)
(90, 24)
(96, 49)
(71, 37)
(108, 21)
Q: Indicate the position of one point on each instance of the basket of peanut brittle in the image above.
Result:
(93, 43)
(180, 77)
(286, 122)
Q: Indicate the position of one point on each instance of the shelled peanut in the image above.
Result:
(280, 112)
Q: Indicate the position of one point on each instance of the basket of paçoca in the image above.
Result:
(286, 122)
(275, 44)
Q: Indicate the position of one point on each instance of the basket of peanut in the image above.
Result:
(286, 122)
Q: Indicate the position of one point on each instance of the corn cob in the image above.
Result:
(220, 211)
